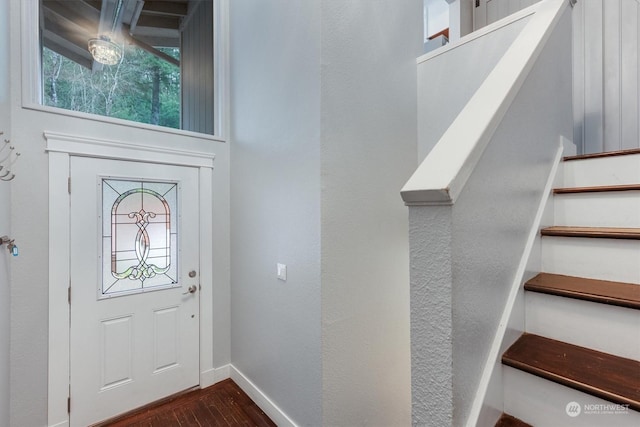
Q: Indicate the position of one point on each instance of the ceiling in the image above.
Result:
(67, 25)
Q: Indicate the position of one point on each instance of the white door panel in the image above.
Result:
(135, 337)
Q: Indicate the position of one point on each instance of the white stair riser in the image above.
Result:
(543, 403)
(602, 327)
(606, 259)
(602, 171)
(608, 209)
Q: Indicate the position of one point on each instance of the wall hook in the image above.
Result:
(7, 176)
(6, 144)
(11, 246)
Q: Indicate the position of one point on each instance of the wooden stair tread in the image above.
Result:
(609, 377)
(597, 189)
(596, 232)
(507, 420)
(605, 154)
(602, 291)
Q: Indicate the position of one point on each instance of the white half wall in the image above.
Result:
(275, 207)
(368, 152)
(445, 84)
(486, 231)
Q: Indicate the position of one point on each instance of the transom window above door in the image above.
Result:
(149, 62)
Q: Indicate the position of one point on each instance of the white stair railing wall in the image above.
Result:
(473, 202)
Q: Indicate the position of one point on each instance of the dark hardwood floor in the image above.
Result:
(221, 405)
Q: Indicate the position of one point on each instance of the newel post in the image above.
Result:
(431, 315)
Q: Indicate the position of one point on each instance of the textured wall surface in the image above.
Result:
(368, 142)
(275, 92)
(431, 316)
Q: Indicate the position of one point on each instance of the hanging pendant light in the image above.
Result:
(105, 51)
(102, 48)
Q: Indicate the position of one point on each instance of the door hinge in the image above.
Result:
(68, 405)
(69, 185)
(477, 3)
(69, 293)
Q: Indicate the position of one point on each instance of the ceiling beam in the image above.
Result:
(152, 50)
(170, 8)
(71, 34)
(169, 22)
(67, 50)
(79, 14)
(95, 4)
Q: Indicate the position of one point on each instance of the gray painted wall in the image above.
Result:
(275, 207)
(489, 223)
(324, 135)
(197, 70)
(369, 139)
(606, 43)
(5, 225)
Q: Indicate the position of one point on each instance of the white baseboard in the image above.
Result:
(271, 409)
(214, 375)
(64, 423)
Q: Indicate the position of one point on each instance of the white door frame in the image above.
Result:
(60, 148)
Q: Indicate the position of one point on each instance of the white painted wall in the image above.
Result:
(606, 55)
(368, 152)
(275, 128)
(5, 226)
(29, 214)
(439, 101)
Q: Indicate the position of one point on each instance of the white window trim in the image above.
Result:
(32, 82)
(61, 148)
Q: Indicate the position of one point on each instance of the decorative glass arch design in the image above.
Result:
(139, 236)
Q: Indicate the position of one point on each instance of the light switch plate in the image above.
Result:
(282, 271)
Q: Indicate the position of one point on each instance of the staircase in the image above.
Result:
(578, 364)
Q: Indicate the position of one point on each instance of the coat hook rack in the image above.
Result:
(7, 160)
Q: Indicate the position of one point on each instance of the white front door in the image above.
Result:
(134, 285)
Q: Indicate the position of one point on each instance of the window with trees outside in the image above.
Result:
(144, 61)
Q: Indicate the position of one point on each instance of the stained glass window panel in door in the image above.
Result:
(139, 236)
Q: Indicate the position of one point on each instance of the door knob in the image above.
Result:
(192, 289)
(192, 274)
